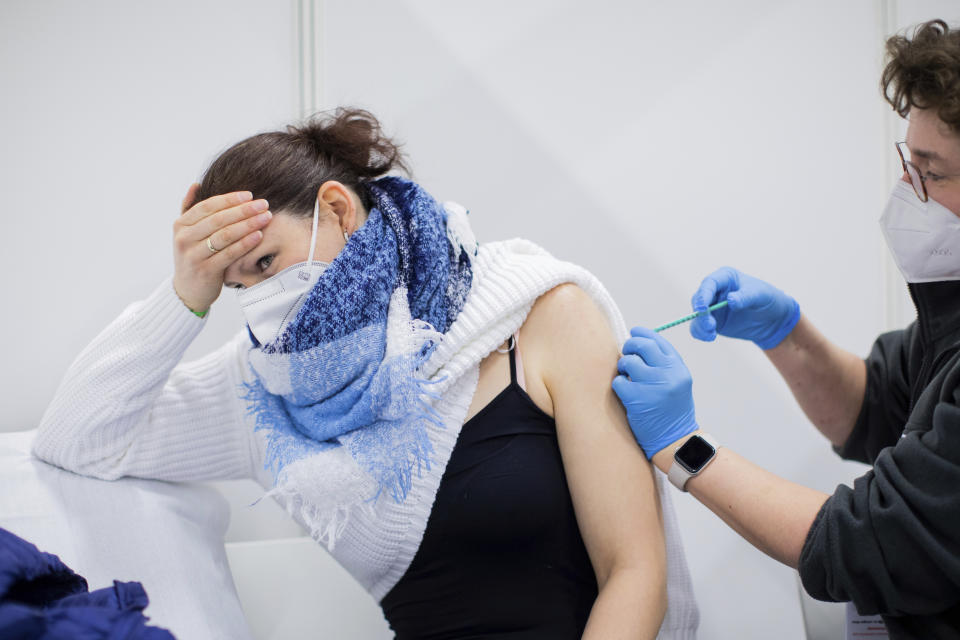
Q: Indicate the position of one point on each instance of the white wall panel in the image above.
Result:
(110, 110)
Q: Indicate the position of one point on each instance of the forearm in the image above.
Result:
(827, 381)
(631, 604)
(125, 407)
(112, 385)
(771, 513)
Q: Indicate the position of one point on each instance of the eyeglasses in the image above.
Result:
(917, 179)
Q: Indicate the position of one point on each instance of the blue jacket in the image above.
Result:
(40, 597)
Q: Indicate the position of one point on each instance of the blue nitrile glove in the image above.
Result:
(756, 311)
(658, 395)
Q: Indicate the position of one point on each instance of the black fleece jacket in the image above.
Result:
(891, 545)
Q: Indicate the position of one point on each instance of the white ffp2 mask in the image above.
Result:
(924, 237)
(268, 307)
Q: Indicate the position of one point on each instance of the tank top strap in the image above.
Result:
(516, 362)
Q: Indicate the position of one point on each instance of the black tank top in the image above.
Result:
(502, 555)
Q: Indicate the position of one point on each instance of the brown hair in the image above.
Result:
(288, 167)
(924, 72)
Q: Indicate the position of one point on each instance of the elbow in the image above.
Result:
(636, 575)
(61, 448)
(645, 586)
(46, 445)
(655, 598)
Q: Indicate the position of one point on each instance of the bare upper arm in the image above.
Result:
(569, 349)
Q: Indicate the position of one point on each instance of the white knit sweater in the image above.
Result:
(126, 407)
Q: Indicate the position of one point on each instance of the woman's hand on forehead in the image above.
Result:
(208, 237)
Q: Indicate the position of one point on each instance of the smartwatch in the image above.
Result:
(691, 458)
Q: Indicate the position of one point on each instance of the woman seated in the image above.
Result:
(438, 414)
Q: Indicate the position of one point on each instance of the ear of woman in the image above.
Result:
(336, 199)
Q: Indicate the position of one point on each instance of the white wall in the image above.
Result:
(652, 143)
(110, 110)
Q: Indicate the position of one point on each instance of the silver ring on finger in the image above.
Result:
(210, 246)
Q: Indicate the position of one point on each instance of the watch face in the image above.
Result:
(694, 453)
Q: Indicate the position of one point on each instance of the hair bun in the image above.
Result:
(354, 138)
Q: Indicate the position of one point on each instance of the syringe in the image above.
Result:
(719, 305)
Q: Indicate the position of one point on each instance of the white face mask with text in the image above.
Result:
(268, 307)
(924, 237)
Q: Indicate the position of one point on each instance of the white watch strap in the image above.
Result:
(678, 476)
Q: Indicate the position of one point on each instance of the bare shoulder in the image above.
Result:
(568, 312)
(567, 337)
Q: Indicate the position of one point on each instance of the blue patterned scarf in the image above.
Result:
(344, 375)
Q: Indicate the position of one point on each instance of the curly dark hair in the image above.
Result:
(924, 72)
